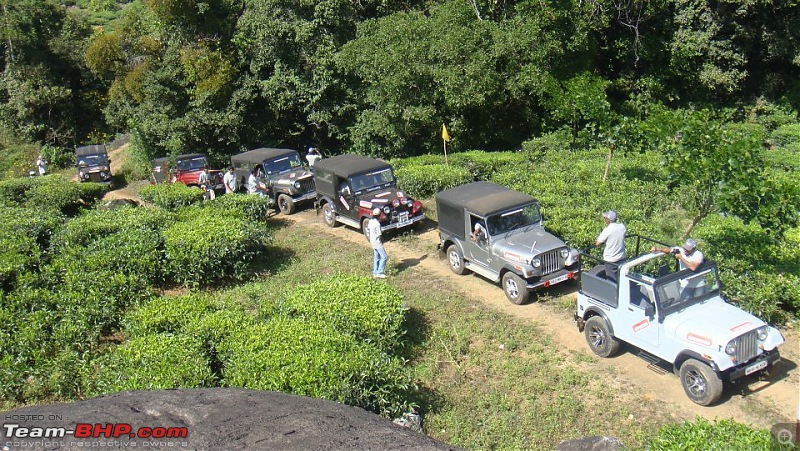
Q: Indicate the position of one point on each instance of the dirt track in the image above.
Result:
(758, 403)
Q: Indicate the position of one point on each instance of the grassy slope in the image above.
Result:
(487, 380)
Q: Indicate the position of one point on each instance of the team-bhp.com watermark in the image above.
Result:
(18, 435)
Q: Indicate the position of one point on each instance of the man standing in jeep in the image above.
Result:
(613, 235)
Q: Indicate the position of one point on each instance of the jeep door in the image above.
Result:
(638, 323)
(345, 198)
(477, 251)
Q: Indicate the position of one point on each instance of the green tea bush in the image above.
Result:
(208, 246)
(132, 251)
(92, 191)
(171, 195)
(360, 306)
(483, 164)
(56, 193)
(426, 181)
(14, 192)
(316, 360)
(153, 362)
(727, 435)
(95, 224)
(18, 253)
(785, 135)
(254, 208)
(167, 315)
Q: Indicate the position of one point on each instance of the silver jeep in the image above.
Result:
(512, 245)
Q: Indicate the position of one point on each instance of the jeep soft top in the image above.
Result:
(95, 149)
(260, 155)
(182, 160)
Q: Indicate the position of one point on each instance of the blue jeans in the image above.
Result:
(378, 260)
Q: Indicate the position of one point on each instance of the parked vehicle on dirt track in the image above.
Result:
(184, 169)
(349, 187)
(288, 181)
(513, 248)
(92, 164)
(676, 316)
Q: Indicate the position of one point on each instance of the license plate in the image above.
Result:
(755, 367)
(559, 279)
(403, 220)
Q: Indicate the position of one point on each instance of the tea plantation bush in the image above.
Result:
(208, 246)
(152, 362)
(51, 192)
(254, 208)
(167, 315)
(171, 195)
(95, 224)
(359, 306)
(727, 435)
(314, 359)
(426, 181)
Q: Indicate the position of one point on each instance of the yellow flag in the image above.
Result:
(445, 135)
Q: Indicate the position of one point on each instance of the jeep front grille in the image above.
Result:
(307, 185)
(551, 261)
(746, 346)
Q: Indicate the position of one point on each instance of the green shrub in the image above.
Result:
(727, 435)
(208, 246)
(360, 306)
(426, 181)
(56, 193)
(316, 360)
(483, 164)
(17, 159)
(254, 208)
(153, 362)
(132, 251)
(95, 224)
(171, 195)
(13, 192)
(91, 191)
(167, 315)
(785, 135)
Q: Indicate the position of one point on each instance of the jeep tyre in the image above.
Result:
(599, 338)
(701, 384)
(285, 204)
(329, 215)
(515, 288)
(456, 260)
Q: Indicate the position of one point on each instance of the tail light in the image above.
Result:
(416, 207)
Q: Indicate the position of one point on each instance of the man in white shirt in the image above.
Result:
(379, 252)
(255, 186)
(312, 157)
(204, 180)
(41, 165)
(229, 180)
(613, 235)
(687, 255)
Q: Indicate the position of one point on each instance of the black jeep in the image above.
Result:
(281, 170)
(93, 164)
(349, 187)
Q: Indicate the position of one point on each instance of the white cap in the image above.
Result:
(611, 215)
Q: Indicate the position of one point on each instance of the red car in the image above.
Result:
(183, 169)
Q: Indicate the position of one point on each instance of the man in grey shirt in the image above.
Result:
(613, 235)
(379, 252)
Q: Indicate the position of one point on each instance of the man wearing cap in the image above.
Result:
(687, 255)
(379, 256)
(613, 235)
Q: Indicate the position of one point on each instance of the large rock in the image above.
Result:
(220, 418)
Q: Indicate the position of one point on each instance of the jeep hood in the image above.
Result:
(381, 197)
(712, 323)
(291, 176)
(534, 241)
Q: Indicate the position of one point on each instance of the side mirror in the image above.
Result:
(649, 310)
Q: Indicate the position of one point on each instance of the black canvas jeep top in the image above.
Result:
(93, 164)
(350, 187)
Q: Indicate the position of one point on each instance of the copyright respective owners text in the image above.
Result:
(43, 432)
(785, 436)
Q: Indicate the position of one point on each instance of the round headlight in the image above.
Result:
(409, 202)
(396, 203)
(731, 348)
(535, 262)
(564, 253)
(297, 185)
(102, 174)
(762, 333)
(386, 209)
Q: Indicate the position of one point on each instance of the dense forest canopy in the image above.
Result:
(379, 77)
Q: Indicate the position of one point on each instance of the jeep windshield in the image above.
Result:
(93, 160)
(514, 220)
(192, 164)
(372, 180)
(282, 164)
(689, 289)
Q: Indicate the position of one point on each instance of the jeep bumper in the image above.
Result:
(553, 278)
(400, 224)
(306, 196)
(760, 363)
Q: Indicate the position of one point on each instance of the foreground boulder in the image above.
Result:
(218, 418)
